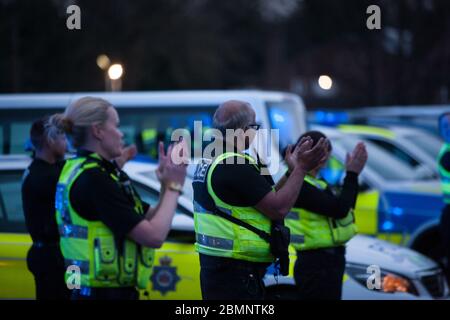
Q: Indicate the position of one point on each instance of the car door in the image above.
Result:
(16, 282)
(176, 269)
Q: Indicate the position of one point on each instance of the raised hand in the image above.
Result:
(289, 159)
(292, 154)
(173, 164)
(128, 153)
(356, 160)
(309, 159)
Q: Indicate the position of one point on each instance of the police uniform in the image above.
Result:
(444, 172)
(321, 223)
(96, 207)
(233, 259)
(44, 259)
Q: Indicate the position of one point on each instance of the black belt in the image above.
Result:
(230, 263)
(332, 250)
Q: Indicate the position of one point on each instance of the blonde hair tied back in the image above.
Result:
(80, 115)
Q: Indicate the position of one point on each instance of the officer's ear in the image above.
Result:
(97, 131)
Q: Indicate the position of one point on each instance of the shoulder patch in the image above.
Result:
(201, 170)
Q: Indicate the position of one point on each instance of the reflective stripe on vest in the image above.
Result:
(90, 245)
(217, 236)
(445, 175)
(312, 231)
(73, 231)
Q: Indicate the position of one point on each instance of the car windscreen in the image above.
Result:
(282, 116)
(147, 126)
(380, 161)
(429, 143)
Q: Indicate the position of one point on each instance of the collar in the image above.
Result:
(109, 165)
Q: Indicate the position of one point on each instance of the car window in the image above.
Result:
(427, 142)
(15, 124)
(151, 197)
(20, 132)
(11, 212)
(179, 232)
(394, 150)
(147, 126)
(380, 161)
(282, 117)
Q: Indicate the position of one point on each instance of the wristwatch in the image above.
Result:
(175, 186)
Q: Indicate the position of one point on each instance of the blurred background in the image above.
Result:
(199, 44)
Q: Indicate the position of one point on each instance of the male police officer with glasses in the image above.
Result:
(235, 207)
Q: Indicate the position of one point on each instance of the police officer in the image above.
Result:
(233, 259)
(108, 234)
(44, 258)
(321, 223)
(444, 171)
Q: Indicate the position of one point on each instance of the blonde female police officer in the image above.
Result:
(107, 232)
(44, 258)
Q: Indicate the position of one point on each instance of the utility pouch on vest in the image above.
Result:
(105, 259)
(343, 229)
(128, 263)
(278, 239)
(145, 262)
(279, 246)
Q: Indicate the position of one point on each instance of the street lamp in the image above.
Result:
(325, 82)
(103, 61)
(115, 73)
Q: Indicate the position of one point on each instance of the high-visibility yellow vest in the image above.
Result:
(217, 236)
(445, 175)
(90, 245)
(310, 230)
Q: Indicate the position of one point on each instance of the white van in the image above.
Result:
(147, 117)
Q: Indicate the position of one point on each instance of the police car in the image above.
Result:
(398, 201)
(414, 146)
(427, 142)
(375, 269)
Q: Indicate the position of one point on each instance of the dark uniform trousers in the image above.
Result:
(318, 273)
(231, 279)
(46, 263)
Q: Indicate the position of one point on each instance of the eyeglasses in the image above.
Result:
(254, 126)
